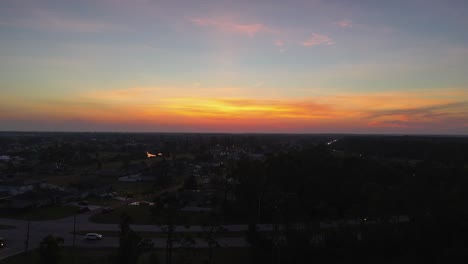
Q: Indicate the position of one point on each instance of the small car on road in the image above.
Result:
(93, 236)
(2, 242)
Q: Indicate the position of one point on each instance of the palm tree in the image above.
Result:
(211, 230)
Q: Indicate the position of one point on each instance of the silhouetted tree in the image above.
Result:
(190, 183)
(169, 229)
(211, 230)
(49, 250)
(187, 245)
(131, 244)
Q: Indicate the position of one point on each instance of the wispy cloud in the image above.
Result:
(279, 43)
(51, 21)
(317, 39)
(247, 109)
(229, 25)
(425, 114)
(429, 111)
(345, 23)
(390, 123)
(399, 111)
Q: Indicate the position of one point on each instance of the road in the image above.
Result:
(15, 238)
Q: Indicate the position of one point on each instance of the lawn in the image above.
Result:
(133, 188)
(141, 215)
(81, 256)
(162, 234)
(200, 256)
(109, 202)
(38, 214)
(107, 256)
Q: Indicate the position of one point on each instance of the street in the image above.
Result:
(15, 238)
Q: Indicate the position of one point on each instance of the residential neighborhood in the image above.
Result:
(248, 189)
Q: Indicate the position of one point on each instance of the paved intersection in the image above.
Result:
(15, 238)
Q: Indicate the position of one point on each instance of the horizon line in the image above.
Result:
(239, 133)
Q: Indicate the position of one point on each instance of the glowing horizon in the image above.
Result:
(245, 67)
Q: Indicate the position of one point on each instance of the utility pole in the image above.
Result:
(259, 208)
(26, 242)
(74, 237)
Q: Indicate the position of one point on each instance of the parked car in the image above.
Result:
(93, 236)
(2, 242)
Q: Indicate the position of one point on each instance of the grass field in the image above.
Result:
(141, 215)
(103, 201)
(38, 214)
(162, 234)
(81, 256)
(108, 256)
(133, 188)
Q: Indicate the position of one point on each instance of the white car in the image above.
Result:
(93, 236)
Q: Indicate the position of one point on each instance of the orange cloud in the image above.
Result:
(345, 23)
(166, 109)
(317, 39)
(379, 110)
(246, 109)
(389, 123)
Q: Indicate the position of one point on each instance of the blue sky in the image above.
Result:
(69, 62)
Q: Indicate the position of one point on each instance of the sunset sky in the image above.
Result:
(297, 66)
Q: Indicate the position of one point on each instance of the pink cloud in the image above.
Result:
(228, 25)
(317, 39)
(389, 123)
(345, 23)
